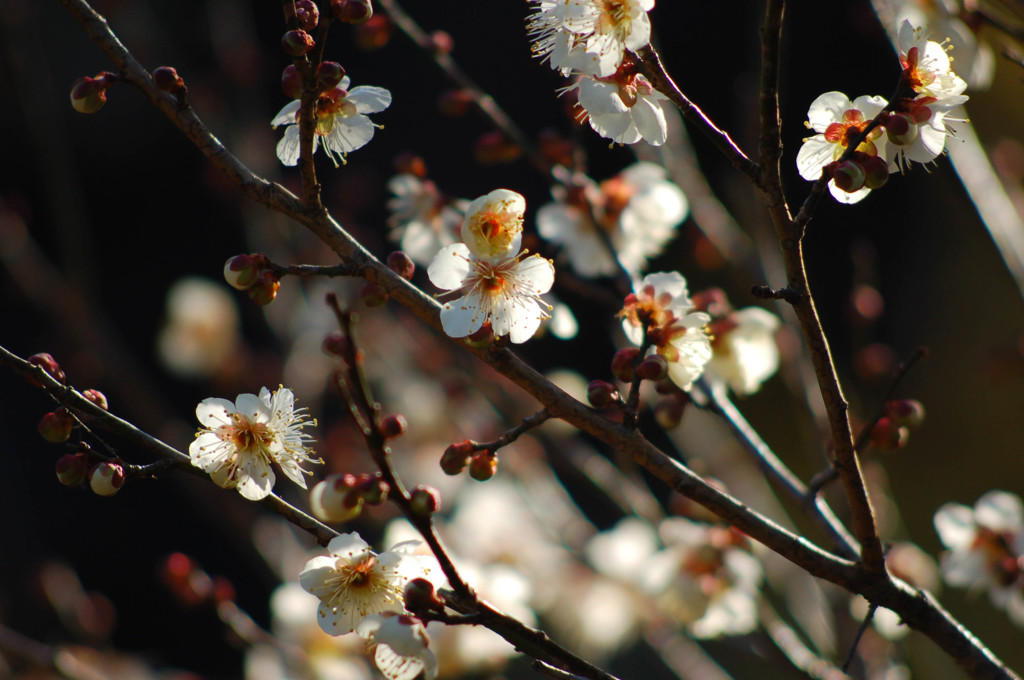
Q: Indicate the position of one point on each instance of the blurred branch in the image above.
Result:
(789, 643)
(60, 660)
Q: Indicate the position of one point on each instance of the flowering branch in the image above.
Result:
(918, 609)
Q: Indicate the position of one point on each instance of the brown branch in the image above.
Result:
(650, 65)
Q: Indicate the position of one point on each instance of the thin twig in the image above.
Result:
(860, 633)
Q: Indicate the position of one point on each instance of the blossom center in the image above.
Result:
(247, 435)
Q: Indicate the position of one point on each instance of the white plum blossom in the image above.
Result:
(639, 210)
(492, 280)
(624, 112)
(836, 120)
(422, 220)
(927, 67)
(674, 330)
(975, 60)
(353, 582)
(402, 646)
(986, 548)
(745, 353)
(240, 441)
(588, 36)
(341, 122)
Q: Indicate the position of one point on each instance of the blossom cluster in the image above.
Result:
(889, 135)
(592, 39)
(491, 281)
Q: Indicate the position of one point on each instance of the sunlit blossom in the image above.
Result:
(240, 441)
(624, 112)
(422, 220)
(353, 582)
(745, 353)
(341, 122)
(402, 650)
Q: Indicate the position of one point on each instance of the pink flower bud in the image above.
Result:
(291, 82)
(241, 272)
(56, 426)
(455, 103)
(876, 172)
(307, 13)
(335, 344)
(849, 176)
(96, 397)
(72, 469)
(329, 75)
(393, 426)
(905, 412)
(373, 295)
(48, 364)
(419, 596)
(372, 489)
(654, 367)
(166, 78)
(297, 43)
(622, 363)
(401, 264)
(264, 291)
(88, 95)
(456, 457)
(602, 394)
(352, 11)
(374, 33)
(425, 500)
(483, 465)
(330, 500)
(901, 129)
(443, 43)
(888, 435)
(106, 479)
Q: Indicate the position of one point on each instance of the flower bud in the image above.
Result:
(848, 176)
(48, 364)
(106, 479)
(374, 34)
(393, 426)
(88, 95)
(72, 469)
(331, 499)
(425, 500)
(876, 172)
(602, 394)
(494, 147)
(371, 488)
(373, 295)
(456, 457)
(166, 78)
(56, 426)
(297, 43)
(888, 435)
(654, 367)
(905, 412)
(352, 11)
(443, 43)
(419, 596)
(329, 75)
(291, 82)
(455, 103)
(622, 363)
(335, 344)
(241, 272)
(264, 291)
(401, 264)
(483, 465)
(96, 397)
(307, 13)
(901, 129)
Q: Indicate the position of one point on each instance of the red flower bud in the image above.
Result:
(307, 13)
(166, 78)
(329, 75)
(849, 176)
(888, 435)
(241, 272)
(48, 364)
(352, 11)
(393, 426)
(291, 82)
(602, 394)
(335, 344)
(456, 457)
(419, 596)
(96, 397)
(425, 500)
(72, 468)
(401, 264)
(654, 367)
(622, 363)
(876, 172)
(264, 291)
(88, 95)
(905, 412)
(106, 479)
(483, 465)
(297, 43)
(56, 426)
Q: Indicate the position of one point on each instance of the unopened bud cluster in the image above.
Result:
(482, 463)
(901, 417)
(340, 497)
(253, 274)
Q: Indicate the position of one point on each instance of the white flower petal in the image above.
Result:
(369, 99)
(288, 148)
(450, 267)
